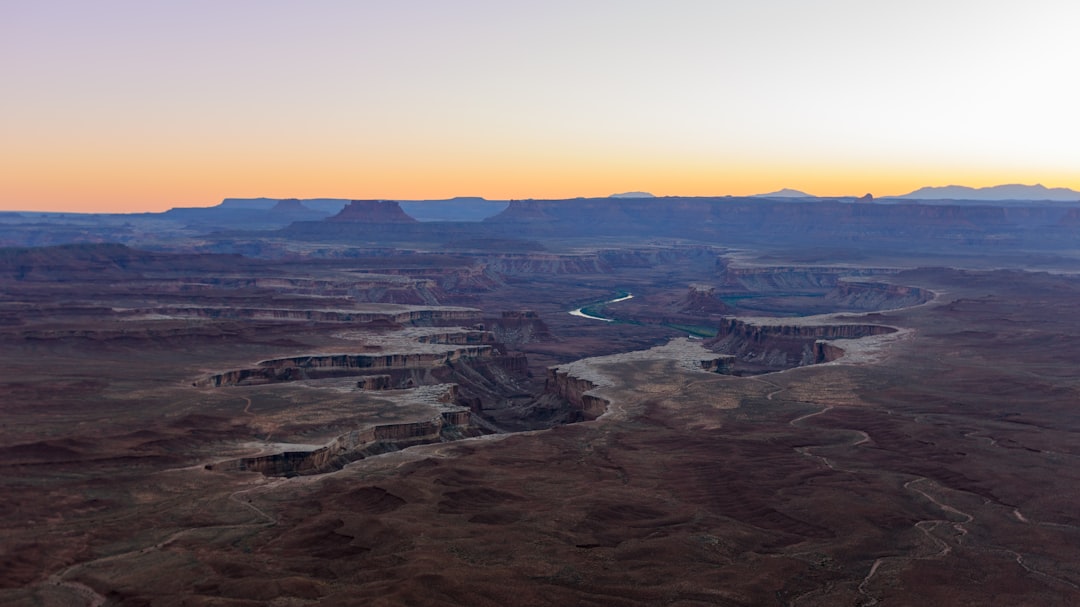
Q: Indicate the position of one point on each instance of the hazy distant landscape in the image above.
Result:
(275, 223)
(765, 401)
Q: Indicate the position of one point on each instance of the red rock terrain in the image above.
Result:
(930, 461)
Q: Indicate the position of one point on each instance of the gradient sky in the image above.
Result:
(144, 104)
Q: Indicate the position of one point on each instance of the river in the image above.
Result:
(581, 311)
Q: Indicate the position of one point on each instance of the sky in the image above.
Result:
(143, 105)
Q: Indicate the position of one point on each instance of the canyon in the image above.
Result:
(797, 406)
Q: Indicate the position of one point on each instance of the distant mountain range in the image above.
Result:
(997, 192)
(461, 208)
(787, 216)
(632, 195)
(325, 205)
(785, 193)
(475, 208)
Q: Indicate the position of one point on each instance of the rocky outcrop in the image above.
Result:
(482, 368)
(372, 211)
(769, 344)
(359, 286)
(575, 390)
(702, 300)
(407, 316)
(759, 332)
(647, 257)
(362, 286)
(316, 366)
(468, 279)
(518, 327)
(374, 382)
(291, 209)
(809, 290)
(600, 261)
(723, 364)
(519, 211)
(515, 362)
(863, 295)
(793, 278)
(356, 445)
(290, 205)
(545, 263)
(105, 262)
(578, 383)
(520, 315)
(825, 352)
(459, 338)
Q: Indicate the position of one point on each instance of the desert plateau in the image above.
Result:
(610, 402)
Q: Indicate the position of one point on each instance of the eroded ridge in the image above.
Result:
(403, 355)
(415, 385)
(448, 422)
(582, 382)
(764, 344)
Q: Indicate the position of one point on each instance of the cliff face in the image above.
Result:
(793, 278)
(484, 372)
(602, 261)
(518, 327)
(372, 211)
(826, 352)
(459, 338)
(759, 333)
(647, 257)
(358, 444)
(545, 263)
(400, 317)
(723, 364)
(773, 345)
(574, 390)
(290, 205)
(576, 383)
(519, 211)
(375, 382)
(335, 365)
(702, 301)
(291, 209)
(106, 262)
(472, 278)
(859, 295)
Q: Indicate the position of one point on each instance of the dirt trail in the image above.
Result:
(802, 418)
(93, 599)
(84, 592)
(927, 527)
(777, 389)
(1020, 561)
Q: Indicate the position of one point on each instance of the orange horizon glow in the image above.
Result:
(201, 178)
(153, 201)
(128, 106)
(97, 191)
